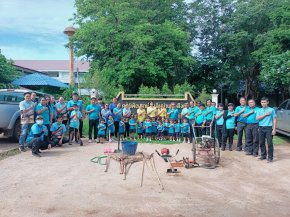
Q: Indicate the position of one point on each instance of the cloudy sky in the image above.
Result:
(33, 29)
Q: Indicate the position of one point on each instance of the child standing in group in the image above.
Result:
(147, 125)
(177, 130)
(140, 130)
(111, 128)
(230, 120)
(122, 128)
(171, 130)
(74, 124)
(154, 128)
(132, 127)
(160, 130)
(185, 130)
(101, 130)
(166, 127)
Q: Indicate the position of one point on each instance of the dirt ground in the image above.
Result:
(65, 183)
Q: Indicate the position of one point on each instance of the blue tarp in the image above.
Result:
(37, 79)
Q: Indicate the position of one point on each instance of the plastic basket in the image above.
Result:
(129, 147)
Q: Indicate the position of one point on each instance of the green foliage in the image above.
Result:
(182, 88)
(203, 96)
(165, 89)
(7, 72)
(136, 42)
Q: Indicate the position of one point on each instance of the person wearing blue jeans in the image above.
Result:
(27, 119)
(267, 129)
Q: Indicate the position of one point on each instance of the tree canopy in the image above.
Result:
(7, 72)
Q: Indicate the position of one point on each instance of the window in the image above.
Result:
(283, 105)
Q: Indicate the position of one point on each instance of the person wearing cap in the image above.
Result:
(58, 130)
(241, 123)
(252, 136)
(74, 124)
(38, 137)
(94, 112)
(27, 118)
(75, 100)
(230, 125)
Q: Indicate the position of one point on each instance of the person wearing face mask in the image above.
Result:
(58, 130)
(38, 137)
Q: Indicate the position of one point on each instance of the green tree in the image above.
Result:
(7, 72)
(182, 88)
(136, 42)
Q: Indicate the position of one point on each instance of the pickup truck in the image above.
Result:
(10, 113)
(283, 118)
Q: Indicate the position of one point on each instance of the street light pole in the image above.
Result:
(70, 31)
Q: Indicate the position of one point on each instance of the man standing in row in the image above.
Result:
(241, 122)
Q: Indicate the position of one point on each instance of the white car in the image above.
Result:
(283, 118)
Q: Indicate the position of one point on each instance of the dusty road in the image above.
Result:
(65, 183)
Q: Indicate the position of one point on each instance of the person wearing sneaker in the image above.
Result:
(94, 112)
(252, 136)
(185, 130)
(111, 128)
(101, 130)
(27, 118)
(267, 128)
(38, 137)
(58, 130)
(74, 124)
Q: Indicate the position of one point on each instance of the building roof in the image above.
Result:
(52, 65)
(28, 71)
(37, 79)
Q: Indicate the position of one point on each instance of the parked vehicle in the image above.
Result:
(10, 113)
(283, 118)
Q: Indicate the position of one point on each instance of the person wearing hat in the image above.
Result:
(230, 125)
(58, 130)
(94, 112)
(38, 137)
(74, 125)
(75, 100)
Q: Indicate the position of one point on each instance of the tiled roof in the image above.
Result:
(37, 79)
(52, 65)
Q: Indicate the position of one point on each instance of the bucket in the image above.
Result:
(129, 147)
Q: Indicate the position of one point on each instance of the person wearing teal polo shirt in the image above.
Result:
(209, 116)
(173, 112)
(43, 110)
(200, 121)
(191, 112)
(230, 122)
(75, 100)
(241, 122)
(94, 112)
(267, 128)
(219, 118)
(117, 114)
(252, 136)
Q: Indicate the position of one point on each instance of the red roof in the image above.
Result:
(52, 65)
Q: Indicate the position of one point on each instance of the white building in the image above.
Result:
(58, 69)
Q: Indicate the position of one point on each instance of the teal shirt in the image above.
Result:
(171, 128)
(251, 119)
(140, 128)
(177, 128)
(45, 115)
(241, 118)
(37, 129)
(132, 123)
(268, 120)
(185, 127)
(211, 112)
(147, 126)
(200, 118)
(219, 121)
(231, 121)
(117, 117)
(95, 114)
(111, 126)
(71, 103)
(173, 113)
(75, 122)
(101, 129)
(55, 126)
(191, 112)
(121, 127)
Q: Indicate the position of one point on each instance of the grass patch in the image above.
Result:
(9, 153)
